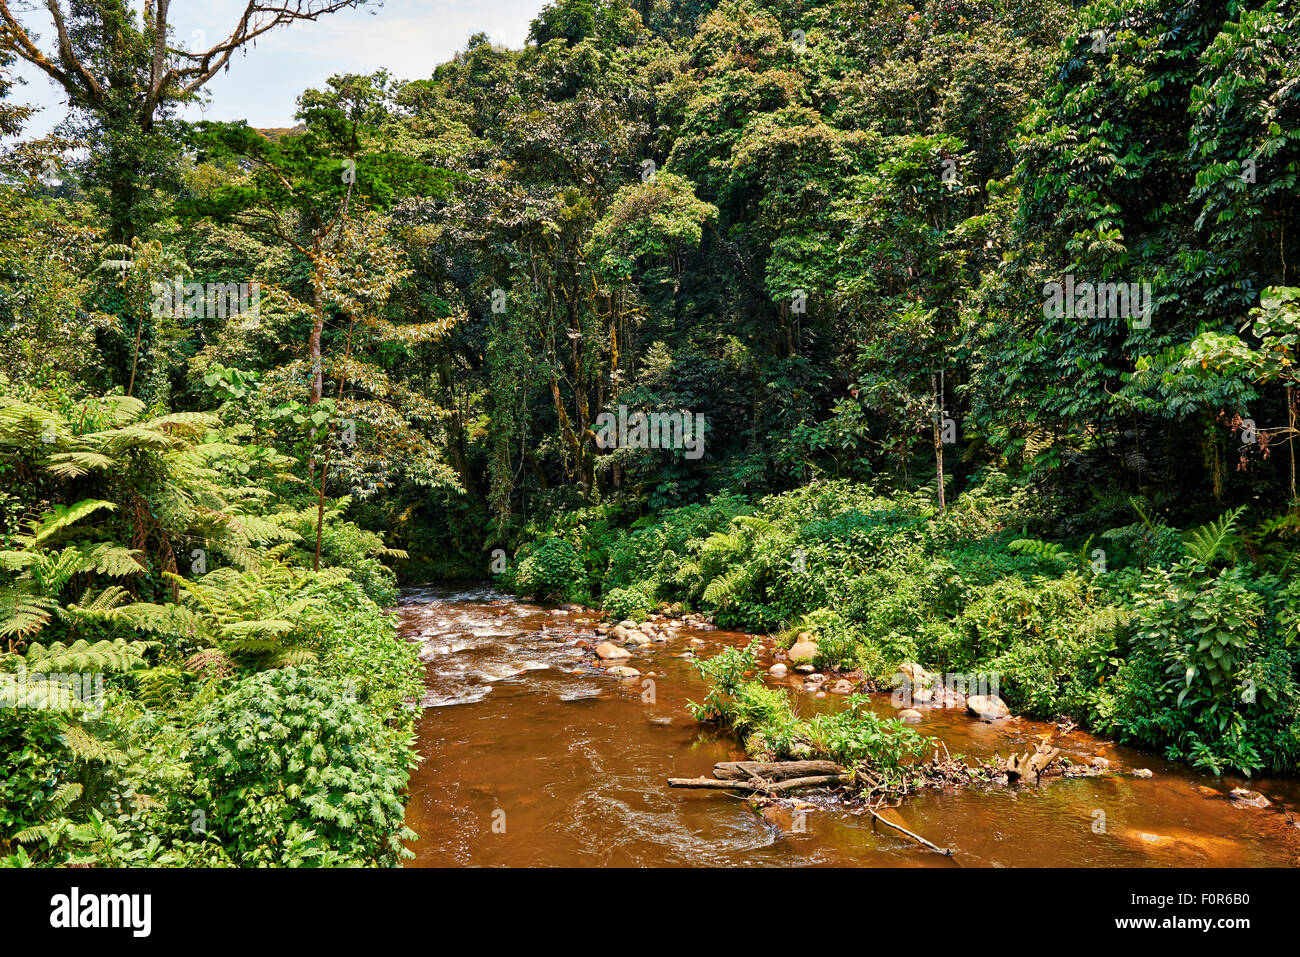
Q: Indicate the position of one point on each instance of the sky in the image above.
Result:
(406, 37)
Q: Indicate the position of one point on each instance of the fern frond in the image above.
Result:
(113, 560)
(86, 747)
(1046, 551)
(23, 613)
(71, 465)
(64, 517)
(1204, 544)
(108, 655)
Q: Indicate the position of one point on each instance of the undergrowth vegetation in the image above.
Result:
(178, 683)
(1183, 641)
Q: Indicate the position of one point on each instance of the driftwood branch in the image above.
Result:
(945, 851)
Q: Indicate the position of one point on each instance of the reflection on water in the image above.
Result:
(533, 756)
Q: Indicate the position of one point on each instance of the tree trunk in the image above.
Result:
(938, 438)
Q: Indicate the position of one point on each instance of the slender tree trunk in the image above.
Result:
(1290, 415)
(317, 327)
(938, 438)
(135, 356)
(325, 466)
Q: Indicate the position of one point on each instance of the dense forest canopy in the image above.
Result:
(821, 225)
(1036, 256)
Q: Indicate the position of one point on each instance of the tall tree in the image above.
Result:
(120, 67)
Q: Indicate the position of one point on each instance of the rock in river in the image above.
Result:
(803, 650)
(987, 706)
(609, 651)
(909, 714)
(777, 670)
(622, 671)
(1249, 798)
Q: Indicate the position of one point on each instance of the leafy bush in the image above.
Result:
(297, 774)
(356, 643)
(858, 735)
(765, 720)
(550, 570)
(634, 602)
(1205, 675)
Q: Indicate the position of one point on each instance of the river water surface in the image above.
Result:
(534, 756)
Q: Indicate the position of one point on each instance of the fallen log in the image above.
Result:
(773, 770)
(759, 784)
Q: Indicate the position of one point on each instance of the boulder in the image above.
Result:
(987, 706)
(803, 650)
(804, 669)
(842, 686)
(1142, 773)
(623, 671)
(816, 678)
(608, 652)
(777, 670)
(636, 639)
(909, 714)
(914, 673)
(1249, 798)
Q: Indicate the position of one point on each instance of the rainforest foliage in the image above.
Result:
(988, 309)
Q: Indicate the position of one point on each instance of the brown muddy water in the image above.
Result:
(533, 756)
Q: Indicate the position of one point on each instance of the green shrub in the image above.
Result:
(858, 735)
(356, 643)
(1205, 675)
(550, 570)
(635, 602)
(294, 773)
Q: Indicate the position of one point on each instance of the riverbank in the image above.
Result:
(1172, 640)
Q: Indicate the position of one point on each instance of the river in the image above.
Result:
(533, 756)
